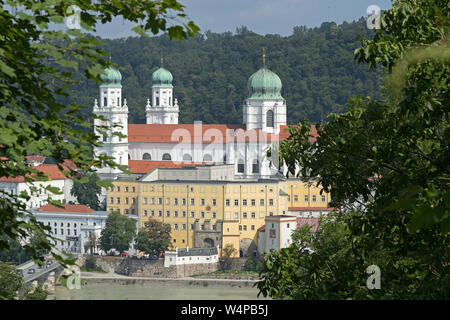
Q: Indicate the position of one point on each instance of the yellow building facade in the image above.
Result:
(211, 213)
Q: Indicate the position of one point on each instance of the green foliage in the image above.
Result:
(12, 286)
(87, 192)
(154, 238)
(385, 164)
(15, 252)
(210, 71)
(252, 264)
(36, 70)
(227, 256)
(118, 233)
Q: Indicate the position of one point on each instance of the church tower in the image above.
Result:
(163, 109)
(115, 112)
(264, 108)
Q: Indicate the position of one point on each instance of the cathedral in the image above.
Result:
(163, 142)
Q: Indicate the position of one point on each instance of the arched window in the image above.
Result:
(105, 101)
(255, 166)
(187, 157)
(157, 101)
(146, 156)
(166, 156)
(241, 166)
(269, 118)
(207, 158)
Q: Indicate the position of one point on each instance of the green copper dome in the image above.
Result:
(162, 78)
(264, 84)
(111, 78)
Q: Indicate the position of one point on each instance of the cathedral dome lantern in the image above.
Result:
(111, 78)
(162, 78)
(264, 84)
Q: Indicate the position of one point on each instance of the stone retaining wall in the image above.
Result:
(151, 268)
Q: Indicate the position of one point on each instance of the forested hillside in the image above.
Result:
(316, 67)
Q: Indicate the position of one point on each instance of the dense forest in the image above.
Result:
(316, 67)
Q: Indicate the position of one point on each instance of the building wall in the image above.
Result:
(303, 195)
(224, 208)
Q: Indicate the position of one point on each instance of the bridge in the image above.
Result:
(32, 272)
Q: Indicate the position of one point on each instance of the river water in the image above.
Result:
(156, 291)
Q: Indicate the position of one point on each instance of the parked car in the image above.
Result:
(48, 262)
(31, 271)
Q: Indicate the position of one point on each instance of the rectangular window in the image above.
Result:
(202, 202)
(183, 201)
(133, 211)
(175, 213)
(126, 189)
(253, 202)
(127, 211)
(118, 200)
(323, 198)
(261, 202)
(213, 215)
(175, 226)
(111, 200)
(236, 215)
(245, 227)
(167, 213)
(296, 198)
(244, 202)
(126, 200)
(133, 200)
(175, 201)
(183, 226)
(145, 213)
(240, 228)
(192, 226)
(153, 213)
(227, 202)
(118, 189)
(159, 200)
(214, 203)
(306, 197)
(270, 202)
(192, 201)
(203, 214)
(62, 231)
(184, 214)
(152, 201)
(314, 198)
(253, 215)
(236, 202)
(192, 214)
(133, 189)
(244, 215)
(75, 232)
(253, 227)
(145, 200)
(159, 213)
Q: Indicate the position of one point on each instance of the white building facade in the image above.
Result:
(163, 139)
(72, 225)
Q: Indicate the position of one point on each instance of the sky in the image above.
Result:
(260, 16)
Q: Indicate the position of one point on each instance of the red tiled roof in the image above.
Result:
(311, 209)
(313, 222)
(211, 133)
(76, 208)
(142, 166)
(51, 170)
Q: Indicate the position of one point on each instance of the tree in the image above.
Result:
(87, 193)
(118, 233)
(91, 244)
(386, 166)
(36, 66)
(154, 238)
(12, 285)
(227, 255)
